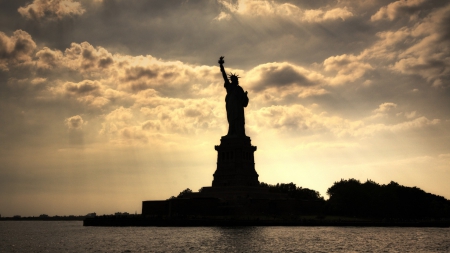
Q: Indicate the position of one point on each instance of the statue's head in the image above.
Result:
(234, 78)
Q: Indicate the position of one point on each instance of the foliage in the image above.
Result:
(182, 194)
(353, 198)
(295, 192)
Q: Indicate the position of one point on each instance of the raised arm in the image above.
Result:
(222, 69)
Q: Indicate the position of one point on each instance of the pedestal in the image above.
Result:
(235, 163)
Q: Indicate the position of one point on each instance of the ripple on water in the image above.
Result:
(71, 236)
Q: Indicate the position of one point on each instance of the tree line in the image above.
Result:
(366, 200)
(370, 199)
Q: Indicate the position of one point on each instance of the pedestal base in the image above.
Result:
(231, 193)
(235, 163)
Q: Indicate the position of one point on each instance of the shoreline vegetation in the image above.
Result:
(350, 203)
(368, 200)
(351, 198)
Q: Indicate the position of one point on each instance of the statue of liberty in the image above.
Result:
(235, 100)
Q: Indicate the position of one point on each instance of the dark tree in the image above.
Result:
(184, 193)
(352, 198)
(295, 192)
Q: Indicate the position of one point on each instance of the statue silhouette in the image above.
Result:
(235, 101)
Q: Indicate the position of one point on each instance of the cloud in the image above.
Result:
(115, 30)
(348, 67)
(283, 79)
(140, 96)
(136, 73)
(48, 59)
(321, 16)
(166, 117)
(80, 57)
(385, 107)
(120, 127)
(429, 57)
(124, 73)
(16, 49)
(417, 123)
(410, 115)
(422, 48)
(121, 114)
(222, 16)
(89, 93)
(170, 97)
(167, 77)
(107, 79)
(88, 58)
(295, 117)
(82, 88)
(280, 75)
(288, 11)
(384, 111)
(131, 134)
(398, 8)
(389, 45)
(302, 121)
(190, 116)
(75, 122)
(51, 10)
(38, 81)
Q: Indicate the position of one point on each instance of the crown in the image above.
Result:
(233, 75)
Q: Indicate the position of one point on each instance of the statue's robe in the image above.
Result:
(235, 101)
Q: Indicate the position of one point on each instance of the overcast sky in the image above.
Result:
(106, 103)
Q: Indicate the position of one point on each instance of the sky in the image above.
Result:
(106, 103)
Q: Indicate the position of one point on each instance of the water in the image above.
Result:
(71, 236)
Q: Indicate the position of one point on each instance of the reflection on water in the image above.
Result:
(71, 236)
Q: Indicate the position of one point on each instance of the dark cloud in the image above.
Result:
(308, 4)
(48, 59)
(84, 87)
(169, 30)
(105, 62)
(75, 122)
(192, 112)
(279, 76)
(139, 86)
(88, 58)
(15, 49)
(443, 24)
(150, 125)
(428, 52)
(136, 73)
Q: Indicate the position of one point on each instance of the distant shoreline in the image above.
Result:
(59, 218)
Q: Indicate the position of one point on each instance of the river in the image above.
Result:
(71, 236)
